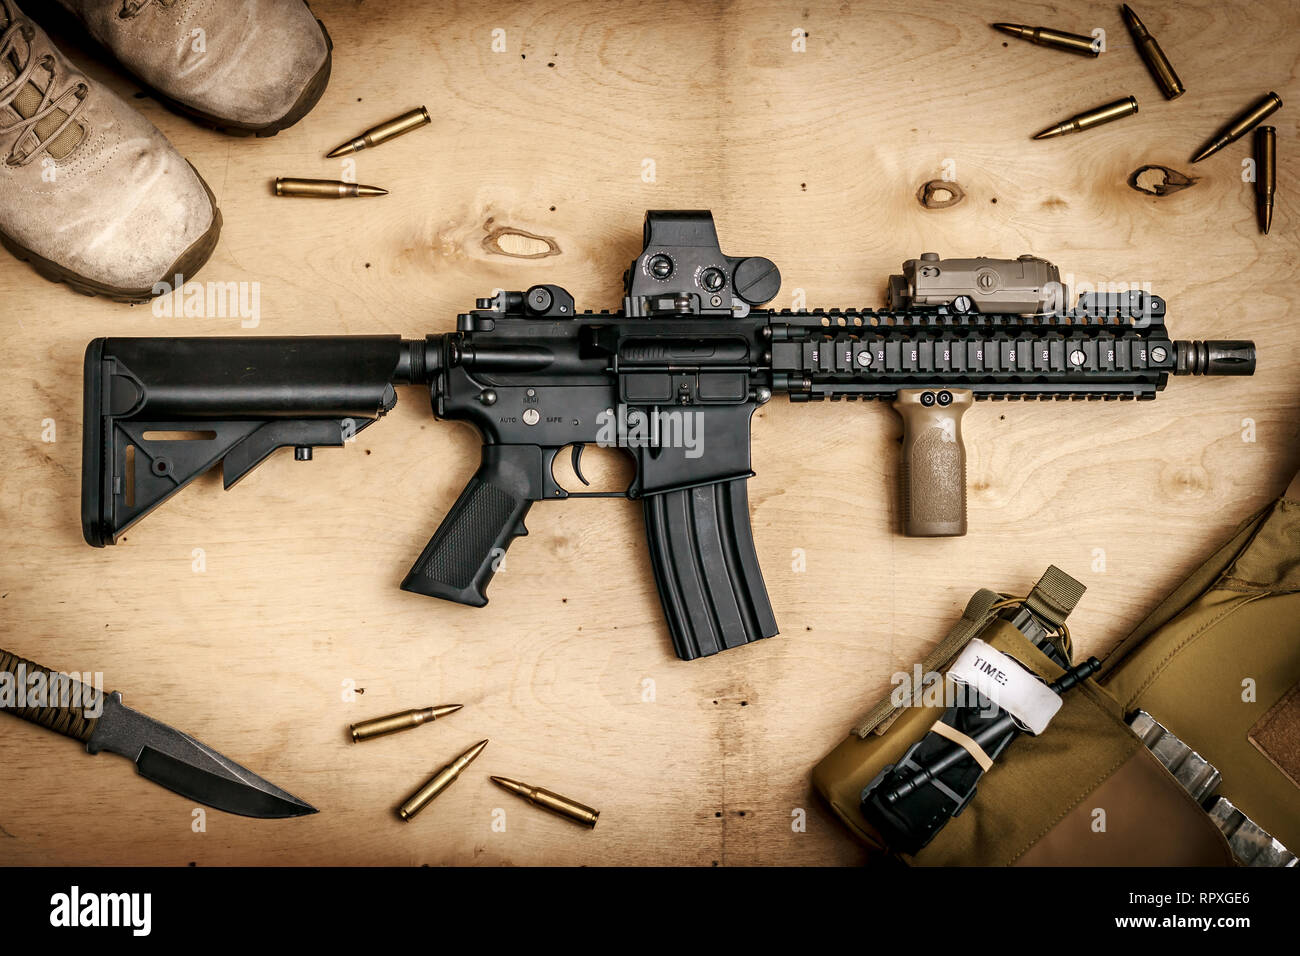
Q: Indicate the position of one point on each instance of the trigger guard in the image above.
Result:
(552, 490)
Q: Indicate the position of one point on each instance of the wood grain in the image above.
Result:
(812, 159)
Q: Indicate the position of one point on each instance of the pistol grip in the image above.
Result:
(933, 469)
(470, 545)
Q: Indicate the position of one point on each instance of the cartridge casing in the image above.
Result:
(1265, 175)
(439, 782)
(397, 126)
(1125, 106)
(550, 800)
(324, 188)
(389, 129)
(1162, 71)
(1055, 39)
(1241, 124)
(403, 720)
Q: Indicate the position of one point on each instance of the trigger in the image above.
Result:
(577, 464)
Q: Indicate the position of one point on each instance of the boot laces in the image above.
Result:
(17, 35)
(132, 7)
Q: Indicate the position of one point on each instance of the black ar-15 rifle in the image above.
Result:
(673, 377)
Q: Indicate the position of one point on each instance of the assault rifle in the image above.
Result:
(674, 377)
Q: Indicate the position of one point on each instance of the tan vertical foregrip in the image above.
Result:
(933, 469)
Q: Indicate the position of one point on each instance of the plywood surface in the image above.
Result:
(810, 158)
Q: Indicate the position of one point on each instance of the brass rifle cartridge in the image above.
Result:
(1125, 106)
(1242, 124)
(1162, 71)
(552, 801)
(1265, 175)
(390, 129)
(405, 720)
(439, 782)
(1056, 39)
(324, 188)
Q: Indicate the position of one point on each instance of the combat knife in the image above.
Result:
(177, 761)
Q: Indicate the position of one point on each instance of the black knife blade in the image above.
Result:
(163, 754)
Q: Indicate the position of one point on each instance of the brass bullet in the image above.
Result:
(1056, 39)
(1265, 175)
(550, 800)
(1162, 71)
(1125, 106)
(405, 720)
(390, 129)
(439, 782)
(324, 188)
(1241, 125)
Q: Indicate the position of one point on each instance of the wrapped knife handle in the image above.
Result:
(66, 696)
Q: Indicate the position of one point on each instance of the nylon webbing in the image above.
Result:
(1052, 599)
(1054, 596)
(976, 615)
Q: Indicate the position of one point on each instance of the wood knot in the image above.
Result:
(940, 194)
(517, 243)
(1160, 180)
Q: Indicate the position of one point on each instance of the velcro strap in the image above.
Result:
(1054, 596)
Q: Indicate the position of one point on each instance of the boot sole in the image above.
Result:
(190, 261)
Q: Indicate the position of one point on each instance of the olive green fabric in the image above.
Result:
(1039, 780)
(1032, 788)
(979, 609)
(1219, 654)
(1052, 598)
(1215, 662)
(1138, 816)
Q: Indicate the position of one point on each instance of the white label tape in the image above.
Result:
(1002, 680)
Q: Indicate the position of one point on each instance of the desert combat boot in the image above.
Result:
(91, 193)
(240, 66)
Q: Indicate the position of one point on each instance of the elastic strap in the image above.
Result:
(964, 741)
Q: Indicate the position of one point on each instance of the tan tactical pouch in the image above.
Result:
(1218, 664)
(1087, 791)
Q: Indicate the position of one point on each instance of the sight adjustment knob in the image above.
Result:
(757, 280)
